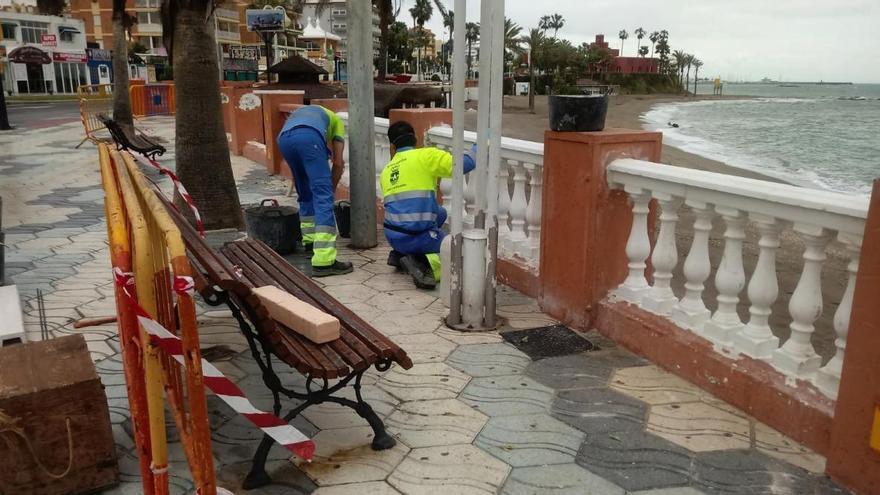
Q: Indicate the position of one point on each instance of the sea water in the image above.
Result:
(813, 135)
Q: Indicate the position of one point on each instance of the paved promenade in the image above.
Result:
(474, 415)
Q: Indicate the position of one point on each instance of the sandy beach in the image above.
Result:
(624, 112)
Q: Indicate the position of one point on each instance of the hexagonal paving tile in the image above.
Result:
(402, 299)
(489, 360)
(465, 338)
(424, 347)
(507, 395)
(654, 385)
(458, 469)
(636, 460)
(522, 316)
(344, 456)
(351, 293)
(699, 426)
(371, 488)
(530, 440)
(574, 371)
(404, 321)
(330, 415)
(775, 444)
(599, 410)
(433, 423)
(390, 281)
(424, 382)
(558, 479)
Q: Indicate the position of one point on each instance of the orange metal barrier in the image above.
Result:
(158, 256)
(152, 99)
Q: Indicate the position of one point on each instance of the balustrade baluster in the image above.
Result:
(446, 192)
(533, 212)
(756, 339)
(730, 279)
(518, 205)
(638, 248)
(691, 311)
(503, 205)
(797, 356)
(828, 379)
(660, 298)
(470, 200)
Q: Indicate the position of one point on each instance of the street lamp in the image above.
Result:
(4, 117)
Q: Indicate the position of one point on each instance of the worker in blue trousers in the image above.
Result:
(413, 219)
(311, 136)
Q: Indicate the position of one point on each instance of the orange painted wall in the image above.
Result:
(851, 460)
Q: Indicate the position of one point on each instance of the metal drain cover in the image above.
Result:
(552, 341)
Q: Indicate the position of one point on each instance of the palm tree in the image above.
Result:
(449, 23)
(679, 56)
(623, 35)
(472, 35)
(535, 40)
(201, 151)
(121, 100)
(387, 13)
(554, 22)
(512, 39)
(697, 64)
(689, 60)
(653, 37)
(640, 33)
(643, 50)
(421, 13)
(544, 23)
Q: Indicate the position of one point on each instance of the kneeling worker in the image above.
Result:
(413, 219)
(305, 141)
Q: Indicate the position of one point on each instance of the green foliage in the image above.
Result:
(137, 47)
(399, 48)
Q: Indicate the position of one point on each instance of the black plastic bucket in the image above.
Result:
(277, 226)
(577, 113)
(342, 210)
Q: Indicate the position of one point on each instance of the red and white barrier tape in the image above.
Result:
(286, 435)
(178, 186)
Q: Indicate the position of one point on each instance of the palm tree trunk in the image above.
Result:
(469, 58)
(202, 152)
(385, 19)
(687, 81)
(121, 98)
(531, 83)
(696, 71)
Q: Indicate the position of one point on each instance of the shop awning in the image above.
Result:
(29, 55)
(68, 29)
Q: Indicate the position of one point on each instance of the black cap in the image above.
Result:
(401, 134)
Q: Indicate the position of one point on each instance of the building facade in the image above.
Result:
(626, 65)
(43, 54)
(334, 19)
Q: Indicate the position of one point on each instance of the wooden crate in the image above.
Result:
(42, 384)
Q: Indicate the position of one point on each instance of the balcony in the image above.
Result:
(228, 36)
(149, 28)
(226, 14)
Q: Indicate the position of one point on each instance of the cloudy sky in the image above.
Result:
(797, 40)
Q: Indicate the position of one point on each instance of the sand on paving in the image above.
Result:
(624, 112)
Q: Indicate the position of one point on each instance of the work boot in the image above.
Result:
(421, 274)
(337, 268)
(394, 259)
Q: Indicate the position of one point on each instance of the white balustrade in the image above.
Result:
(503, 204)
(730, 278)
(660, 298)
(691, 311)
(638, 247)
(533, 211)
(815, 215)
(518, 206)
(520, 193)
(756, 339)
(828, 379)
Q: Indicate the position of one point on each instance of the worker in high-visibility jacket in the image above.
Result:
(413, 219)
(310, 136)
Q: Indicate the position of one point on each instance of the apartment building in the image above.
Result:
(334, 19)
(42, 54)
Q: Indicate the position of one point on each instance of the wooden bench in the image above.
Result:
(228, 276)
(136, 142)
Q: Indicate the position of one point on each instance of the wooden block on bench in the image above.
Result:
(42, 384)
(11, 325)
(298, 315)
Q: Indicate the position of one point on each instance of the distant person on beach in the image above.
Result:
(311, 136)
(413, 219)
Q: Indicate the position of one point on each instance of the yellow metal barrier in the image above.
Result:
(158, 256)
(89, 109)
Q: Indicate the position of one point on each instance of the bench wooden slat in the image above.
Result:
(332, 368)
(365, 332)
(351, 348)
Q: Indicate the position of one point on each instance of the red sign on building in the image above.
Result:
(69, 57)
(49, 40)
